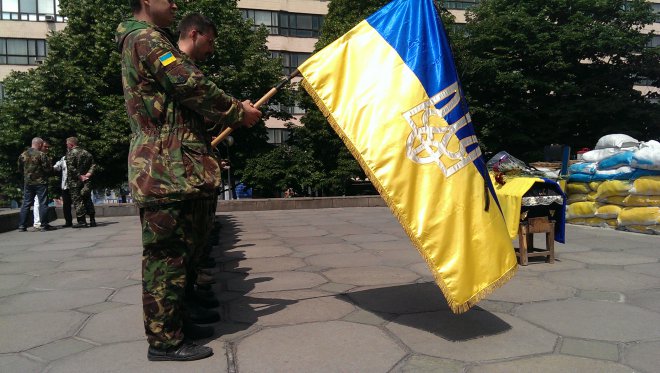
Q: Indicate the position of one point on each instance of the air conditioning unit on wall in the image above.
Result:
(50, 18)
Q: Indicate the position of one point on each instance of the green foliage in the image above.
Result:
(77, 91)
(538, 72)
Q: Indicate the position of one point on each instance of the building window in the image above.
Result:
(655, 42)
(2, 91)
(290, 60)
(30, 10)
(463, 4)
(22, 51)
(286, 24)
(278, 136)
(293, 110)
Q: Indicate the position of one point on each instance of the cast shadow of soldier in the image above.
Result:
(238, 311)
(419, 305)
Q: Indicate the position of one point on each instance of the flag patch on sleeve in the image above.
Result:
(167, 58)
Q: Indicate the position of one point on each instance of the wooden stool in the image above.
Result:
(526, 232)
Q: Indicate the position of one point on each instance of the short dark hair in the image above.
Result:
(198, 22)
(136, 5)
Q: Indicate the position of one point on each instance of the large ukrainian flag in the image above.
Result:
(389, 89)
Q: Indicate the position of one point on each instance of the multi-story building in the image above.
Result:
(294, 27)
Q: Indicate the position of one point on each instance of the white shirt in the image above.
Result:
(61, 166)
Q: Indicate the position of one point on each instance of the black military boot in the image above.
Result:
(82, 223)
(92, 221)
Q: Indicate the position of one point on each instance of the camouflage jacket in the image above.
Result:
(78, 162)
(35, 166)
(167, 99)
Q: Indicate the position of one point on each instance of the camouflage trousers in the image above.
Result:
(81, 197)
(170, 241)
(198, 240)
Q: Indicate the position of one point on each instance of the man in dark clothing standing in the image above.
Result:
(171, 171)
(80, 168)
(35, 166)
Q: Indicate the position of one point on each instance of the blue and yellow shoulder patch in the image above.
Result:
(167, 58)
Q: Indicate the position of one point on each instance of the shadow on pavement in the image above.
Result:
(422, 306)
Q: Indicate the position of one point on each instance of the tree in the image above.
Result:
(538, 72)
(77, 91)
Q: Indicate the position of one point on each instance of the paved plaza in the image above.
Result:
(331, 290)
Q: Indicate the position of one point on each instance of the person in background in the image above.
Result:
(35, 209)
(36, 167)
(66, 196)
(80, 168)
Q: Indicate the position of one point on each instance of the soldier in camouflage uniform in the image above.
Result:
(170, 167)
(36, 167)
(80, 168)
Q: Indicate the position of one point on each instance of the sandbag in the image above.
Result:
(648, 156)
(577, 197)
(582, 168)
(639, 216)
(613, 200)
(616, 161)
(608, 211)
(646, 229)
(579, 178)
(594, 185)
(594, 222)
(635, 200)
(646, 185)
(616, 140)
(613, 188)
(581, 210)
(578, 188)
(599, 154)
(621, 173)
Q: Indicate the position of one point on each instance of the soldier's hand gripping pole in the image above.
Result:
(261, 101)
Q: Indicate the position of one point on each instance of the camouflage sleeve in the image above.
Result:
(21, 164)
(187, 83)
(90, 161)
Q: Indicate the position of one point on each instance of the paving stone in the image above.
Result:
(386, 245)
(60, 245)
(525, 289)
(316, 269)
(57, 256)
(400, 299)
(265, 265)
(344, 260)
(643, 356)
(302, 231)
(552, 364)
(59, 349)
(570, 247)
(333, 346)
(17, 363)
(429, 364)
(365, 317)
(592, 349)
(653, 251)
(422, 269)
(398, 258)
(473, 336)
(366, 276)
(52, 300)
(603, 280)
(580, 318)
(560, 264)
(25, 267)
(358, 238)
(333, 287)
(246, 236)
(651, 269)
(288, 308)
(609, 296)
(78, 279)
(496, 306)
(132, 357)
(609, 258)
(129, 295)
(13, 281)
(127, 325)
(100, 307)
(115, 250)
(275, 281)
(326, 248)
(306, 241)
(118, 262)
(29, 330)
(341, 229)
(258, 252)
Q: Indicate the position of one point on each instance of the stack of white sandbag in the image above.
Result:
(617, 185)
